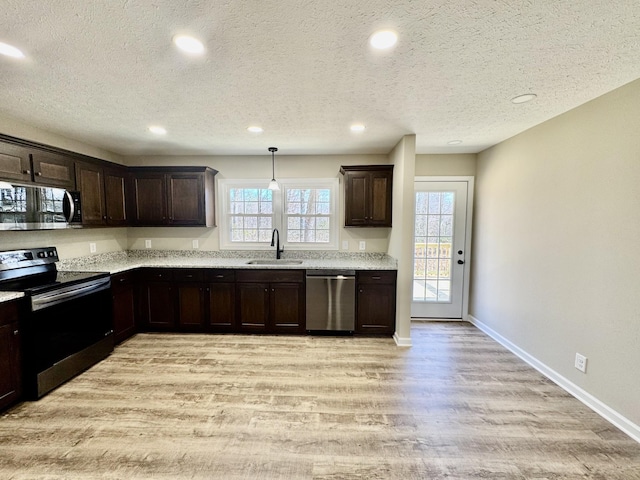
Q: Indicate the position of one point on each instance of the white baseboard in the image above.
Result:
(401, 341)
(585, 397)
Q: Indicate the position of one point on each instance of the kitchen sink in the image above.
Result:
(274, 261)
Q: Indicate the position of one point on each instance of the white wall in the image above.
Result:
(15, 128)
(461, 164)
(403, 156)
(556, 255)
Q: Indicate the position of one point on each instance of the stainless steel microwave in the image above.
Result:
(39, 208)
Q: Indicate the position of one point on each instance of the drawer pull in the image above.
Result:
(16, 332)
(219, 276)
(376, 277)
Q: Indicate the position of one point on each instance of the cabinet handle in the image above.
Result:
(16, 332)
(361, 291)
(27, 172)
(219, 276)
(38, 174)
(266, 289)
(122, 280)
(376, 277)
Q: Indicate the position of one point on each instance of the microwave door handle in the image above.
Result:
(68, 206)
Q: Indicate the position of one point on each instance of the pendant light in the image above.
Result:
(273, 185)
(5, 185)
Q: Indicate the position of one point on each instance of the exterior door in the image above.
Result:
(439, 254)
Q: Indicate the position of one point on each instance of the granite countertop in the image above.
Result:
(117, 262)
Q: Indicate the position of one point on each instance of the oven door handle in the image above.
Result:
(48, 300)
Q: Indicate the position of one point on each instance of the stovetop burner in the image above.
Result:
(34, 271)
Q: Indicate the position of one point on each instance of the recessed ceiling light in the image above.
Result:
(454, 142)
(255, 129)
(527, 97)
(10, 51)
(158, 130)
(358, 127)
(188, 44)
(383, 39)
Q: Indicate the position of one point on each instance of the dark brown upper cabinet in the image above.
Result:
(174, 196)
(367, 195)
(25, 165)
(102, 193)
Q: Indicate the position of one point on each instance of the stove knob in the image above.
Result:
(42, 254)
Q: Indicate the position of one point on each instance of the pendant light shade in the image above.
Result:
(5, 185)
(273, 185)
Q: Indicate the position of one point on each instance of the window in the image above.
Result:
(304, 211)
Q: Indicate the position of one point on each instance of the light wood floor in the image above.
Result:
(454, 406)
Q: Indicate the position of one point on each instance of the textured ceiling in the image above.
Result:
(102, 71)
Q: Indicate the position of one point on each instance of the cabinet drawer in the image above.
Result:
(270, 276)
(124, 278)
(377, 276)
(220, 275)
(188, 275)
(157, 274)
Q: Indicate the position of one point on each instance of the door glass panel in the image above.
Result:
(433, 238)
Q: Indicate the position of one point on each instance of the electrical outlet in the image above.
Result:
(581, 363)
(92, 247)
(362, 245)
(147, 244)
(194, 243)
(345, 244)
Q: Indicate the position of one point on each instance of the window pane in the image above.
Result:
(251, 214)
(308, 215)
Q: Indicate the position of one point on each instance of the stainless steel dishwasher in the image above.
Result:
(331, 301)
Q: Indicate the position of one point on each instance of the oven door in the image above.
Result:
(67, 331)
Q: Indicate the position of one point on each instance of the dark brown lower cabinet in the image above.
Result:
(222, 307)
(376, 302)
(123, 293)
(10, 354)
(270, 301)
(157, 299)
(191, 295)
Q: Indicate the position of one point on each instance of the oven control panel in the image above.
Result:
(10, 259)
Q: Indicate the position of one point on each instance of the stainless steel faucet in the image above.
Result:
(275, 236)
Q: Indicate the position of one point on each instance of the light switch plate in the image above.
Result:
(92, 247)
(345, 244)
(147, 244)
(362, 245)
(194, 244)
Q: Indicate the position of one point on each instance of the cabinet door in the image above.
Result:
(90, 182)
(158, 304)
(149, 199)
(15, 163)
(286, 308)
(10, 357)
(191, 307)
(186, 199)
(379, 214)
(356, 199)
(124, 306)
(222, 307)
(10, 383)
(252, 301)
(115, 196)
(53, 169)
(376, 309)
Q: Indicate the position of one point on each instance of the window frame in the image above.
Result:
(279, 216)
